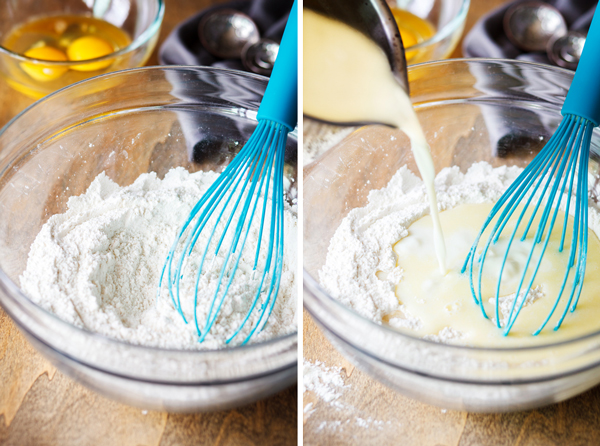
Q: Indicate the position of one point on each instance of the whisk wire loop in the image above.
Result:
(225, 214)
(537, 238)
(269, 304)
(215, 191)
(543, 182)
(579, 237)
(276, 225)
(257, 171)
(257, 176)
(565, 159)
(576, 149)
(513, 196)
(238, 176)
(570, 177)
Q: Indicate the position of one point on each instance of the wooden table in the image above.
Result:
(41, 406)
(370, 413)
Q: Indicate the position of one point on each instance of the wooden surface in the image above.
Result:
(40, 406)
(369, 413)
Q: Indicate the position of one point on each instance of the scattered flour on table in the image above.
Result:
(97, 266)
(328, 385)
(325, 382)
(361, 246)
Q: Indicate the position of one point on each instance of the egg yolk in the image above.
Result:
(89, 47)
(408, 38)
(413, 30)
(40, 72)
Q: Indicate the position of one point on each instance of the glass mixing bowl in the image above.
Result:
(125, 124)
(447, 16)
(140, 19)
(472, 110)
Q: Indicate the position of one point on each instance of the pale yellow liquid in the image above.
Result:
(347, 78)
(446, 301)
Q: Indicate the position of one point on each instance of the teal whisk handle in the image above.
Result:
(280, 102)
(583, 98)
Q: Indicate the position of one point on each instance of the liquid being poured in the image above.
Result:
(347, 79)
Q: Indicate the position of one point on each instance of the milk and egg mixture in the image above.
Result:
(381, 260)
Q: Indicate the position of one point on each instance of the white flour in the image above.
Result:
(506, 302)
(97, 266)
(361, 246)
(325, 382)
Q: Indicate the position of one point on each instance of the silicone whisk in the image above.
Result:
(557, 177)
(230, 209)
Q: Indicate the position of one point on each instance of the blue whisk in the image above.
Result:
(232, 202)
(561, 166)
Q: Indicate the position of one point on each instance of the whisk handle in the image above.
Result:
(583, 98)
(280, 102)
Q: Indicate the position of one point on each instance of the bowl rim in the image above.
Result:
(14, 292)
(127, 70)
(318, 292)
(142, 39)
(446, 30)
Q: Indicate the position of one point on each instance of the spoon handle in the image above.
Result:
(583, 98)
(280, 102)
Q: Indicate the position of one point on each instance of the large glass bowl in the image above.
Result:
(471, 110)
(139, 19)
(128, 123)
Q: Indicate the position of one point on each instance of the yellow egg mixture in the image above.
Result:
(347, 79)
(413, 31)
(61, 38)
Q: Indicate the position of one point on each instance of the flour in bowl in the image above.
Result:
(97, 266)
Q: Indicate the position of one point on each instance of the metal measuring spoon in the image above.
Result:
(224, 33)
(260, 57)
(531, 25)
(565, 51)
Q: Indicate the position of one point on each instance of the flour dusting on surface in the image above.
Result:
(325, 382)
(328, 385)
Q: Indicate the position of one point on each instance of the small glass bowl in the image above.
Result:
(471, 110)
(125, 124)
(140, 19)
(448, 17)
